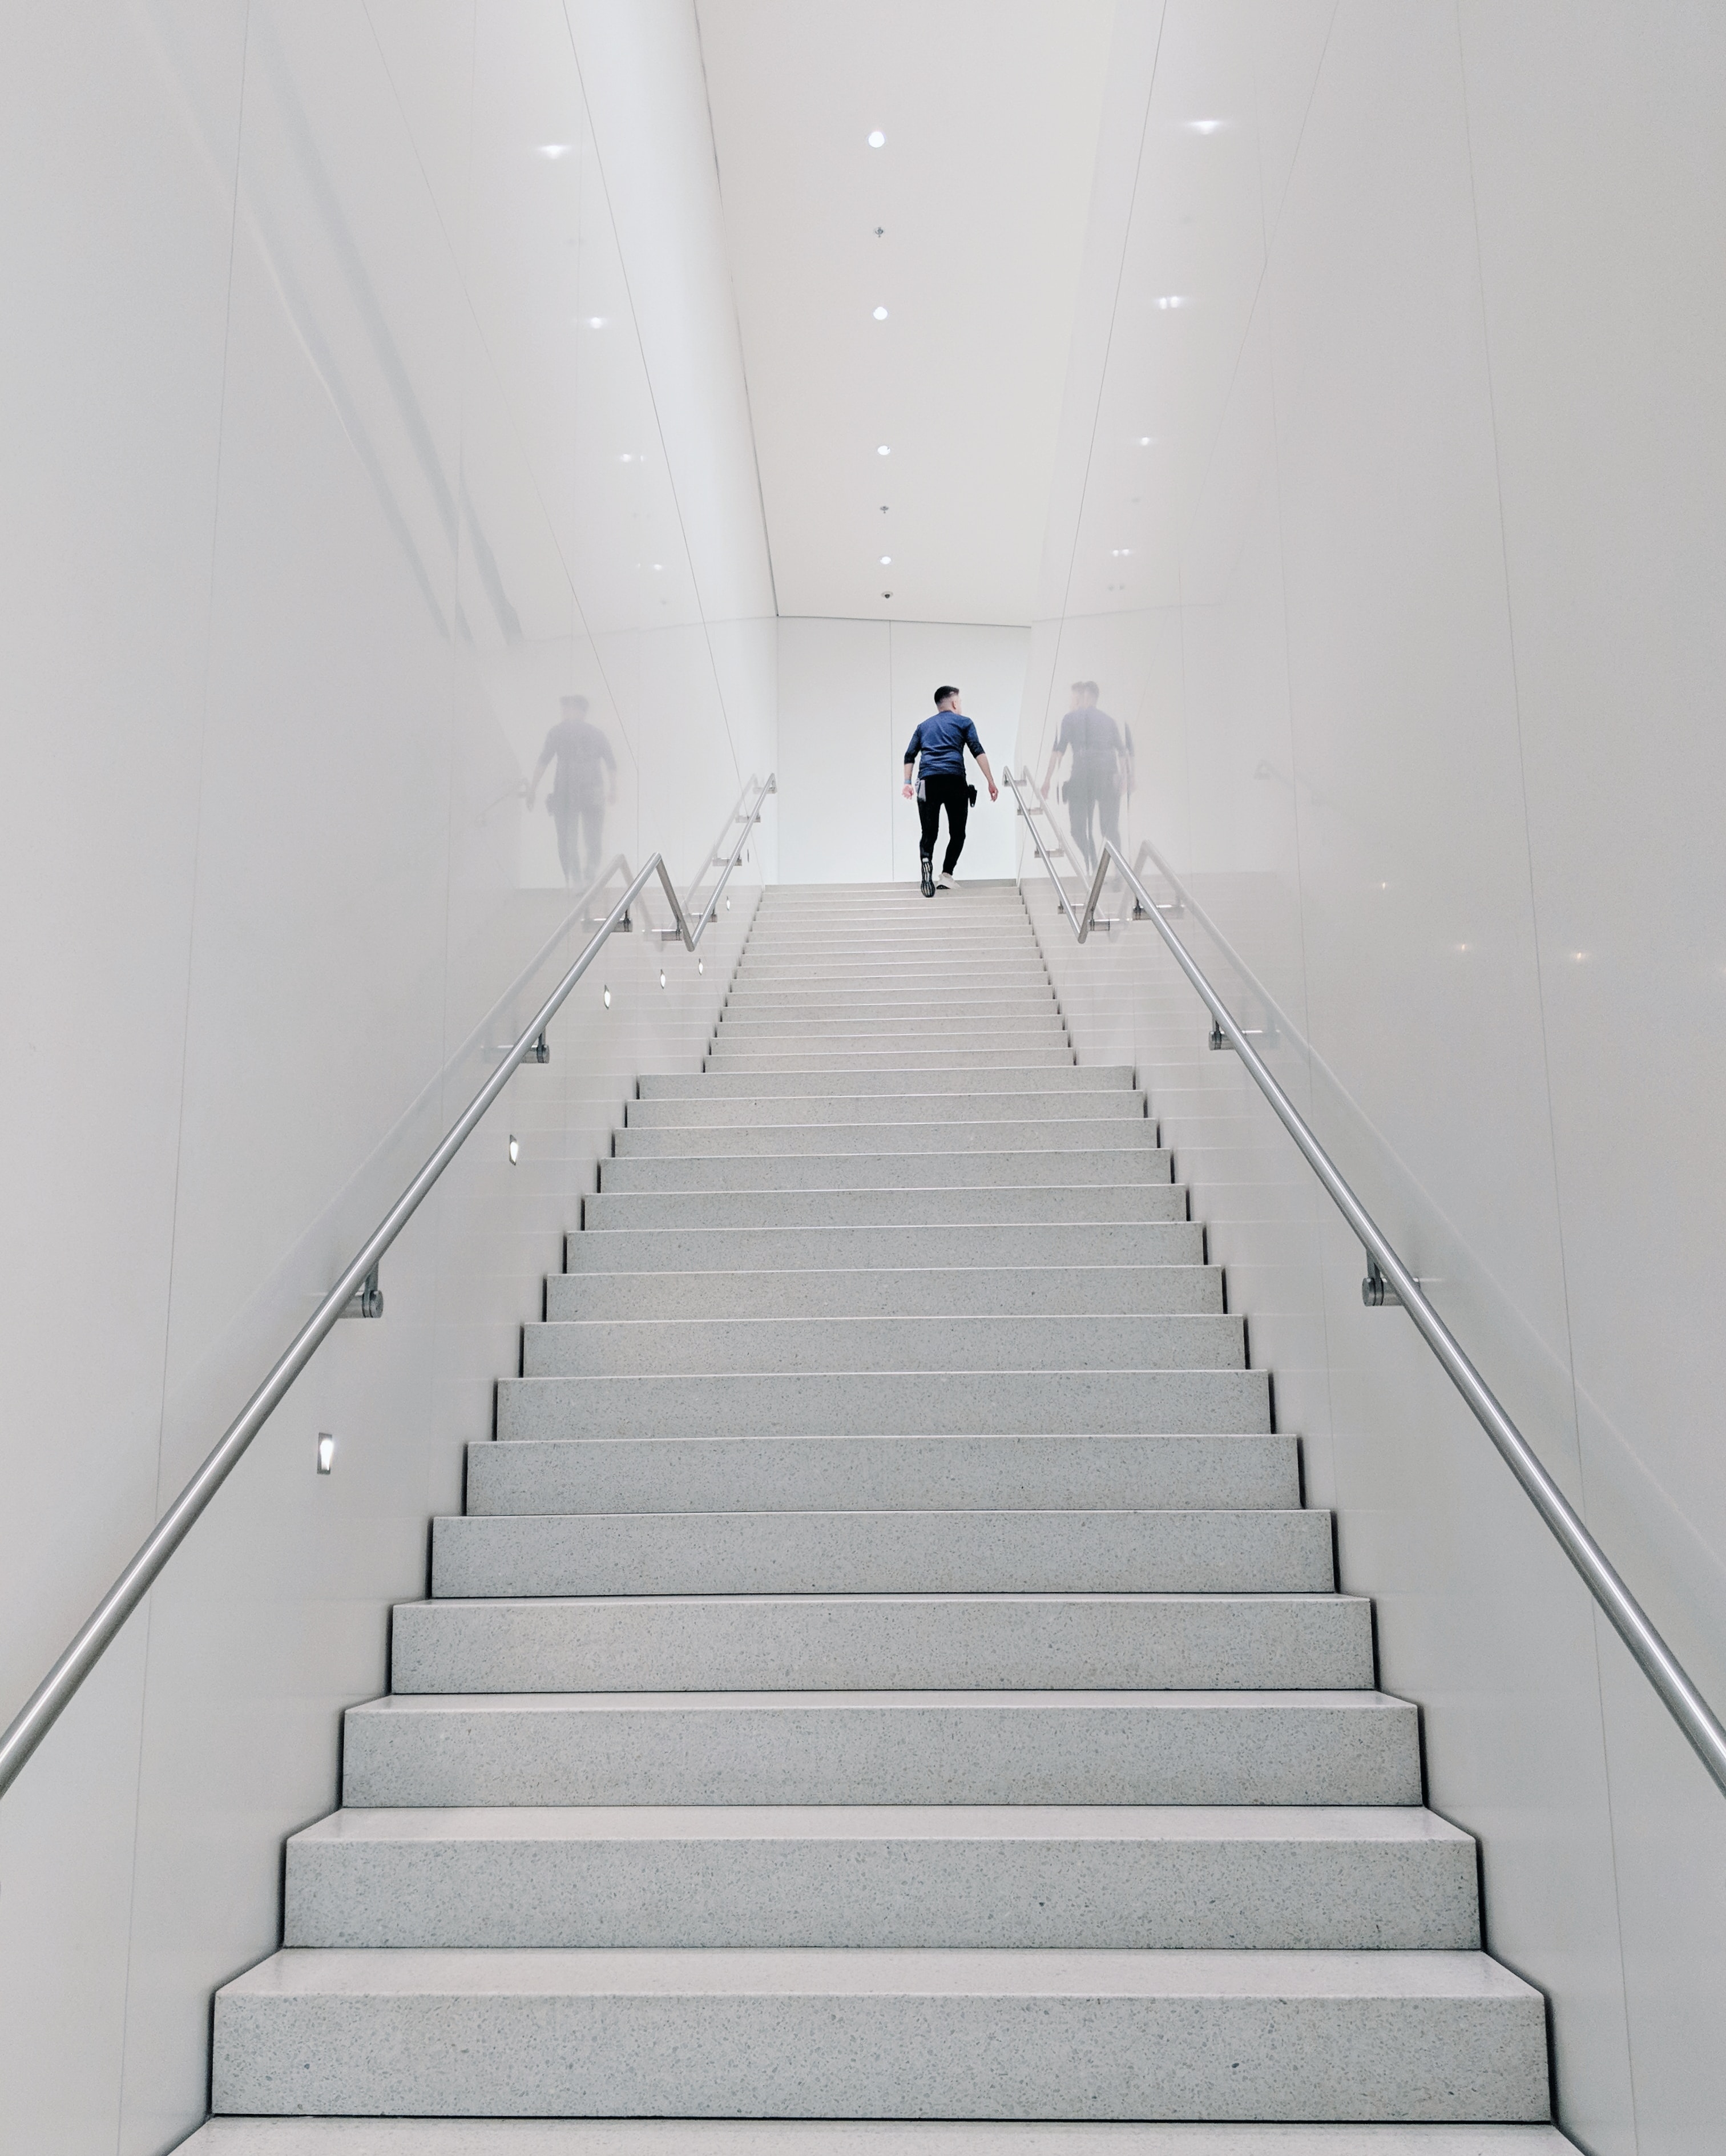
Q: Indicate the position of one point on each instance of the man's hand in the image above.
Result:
(907, 789)
(994, 791)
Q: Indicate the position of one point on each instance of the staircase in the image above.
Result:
(884, 1671)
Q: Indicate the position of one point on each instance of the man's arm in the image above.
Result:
(911, 749)
(994, 791)
(539, 772)
(907, 778)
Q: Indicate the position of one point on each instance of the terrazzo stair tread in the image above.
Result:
(1147, 1243)
(717, 1141)
(641, 1251)
(738, 1061)
(1112, 1162)
(1232, 1471)
(629, 1346)
(1047, 1111)
(886, 1291)
(1113, 1876)
(897, 1552)
(887, 2031)
(938, 1028)
(918, 1205)
(921, 1641)
(998, 1077)
(884, 1404)
(891, 971)
(887, 1747)
(701, 2137)
(747, 1000)
(906, 954)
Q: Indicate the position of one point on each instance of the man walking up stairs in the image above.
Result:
(884, 1672)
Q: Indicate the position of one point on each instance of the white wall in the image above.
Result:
(850, 694)
(1420, 636)
(316, 499)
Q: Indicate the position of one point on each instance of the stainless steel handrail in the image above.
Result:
(1683, 1701)
(45, 1705)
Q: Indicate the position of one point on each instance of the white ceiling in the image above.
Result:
(991, 110)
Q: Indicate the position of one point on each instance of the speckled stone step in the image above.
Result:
(886, 1291)
(1117, 1876)
(885, 1403)
(767, 1139)
(770, 2137)
(1095, 1340)
(889, 2031)
(1045, 1110)
(922, 1202)
(1109, 1159)
(638, 1251)
(995, 1075)
(1230, 1471)
(884, 1748)
(946, 1552)
(851, 1641)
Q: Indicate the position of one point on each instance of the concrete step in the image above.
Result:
(811, 2032)
(926, 1135)
(1124, 1877)
(996, 1077)
(1112, 1159)
(638, 1251)
(886, 1747)
(920, 1204)
(1047, 1111)
(886, 1291)
(937, 1029)
(851, 1061)
(886, 1404)
(770, 2137)
(959, 945)
(1233, 1472)
(662, 1346)
(864, 1642)
(893, 972)
(895, 1552)
(1038, 999)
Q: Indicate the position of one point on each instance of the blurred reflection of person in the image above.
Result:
(941, 742)
(585, 781)
(1102, 766)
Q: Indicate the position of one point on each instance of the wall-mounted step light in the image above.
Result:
(605, 994)
(515, 1149)
(662, 977)
(700, 965)
(326, 1452)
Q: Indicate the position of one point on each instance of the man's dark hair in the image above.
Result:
(942, 694)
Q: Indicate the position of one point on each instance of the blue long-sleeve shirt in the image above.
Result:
(943, 740)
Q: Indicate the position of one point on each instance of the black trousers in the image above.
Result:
(947, 788)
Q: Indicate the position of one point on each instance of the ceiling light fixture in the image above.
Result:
(596, 321)
(877, 140)
(1204, 126)
(881, 314)
(626, 458)
(886, 561)
(1172, 299)
(883, 450)
(554, 149)
(1145, 441)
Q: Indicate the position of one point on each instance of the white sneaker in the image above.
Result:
(943, 881)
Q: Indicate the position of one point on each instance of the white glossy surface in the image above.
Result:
(318, 505)
(1416, 639)
(851, 693)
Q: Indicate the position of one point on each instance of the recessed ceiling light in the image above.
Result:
(1172, 299)
(626, 458)
(554, 149)
(1145, 441)
(659, 565)
(1204, 126)
(883, 450)
(1118, 553)
(886, 561)
(877, 140)
(596, 321)
(881, 314)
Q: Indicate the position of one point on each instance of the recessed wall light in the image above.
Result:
(877, 140)
(515, 1148)
(325, 1453)
(883, 450)
(662, 977)
(881, 314)
(605, 995)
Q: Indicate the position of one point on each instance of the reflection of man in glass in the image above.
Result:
(585, 780)
(1101, 765)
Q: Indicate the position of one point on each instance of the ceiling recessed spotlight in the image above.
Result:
(554, 149)
(658, 566)
(881, 314)
(886, 561)
(1145, 441)
(883, 450)
(1204, 126)
(877, 140)
(596, 321)
(1170, 300)
(627, 457)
